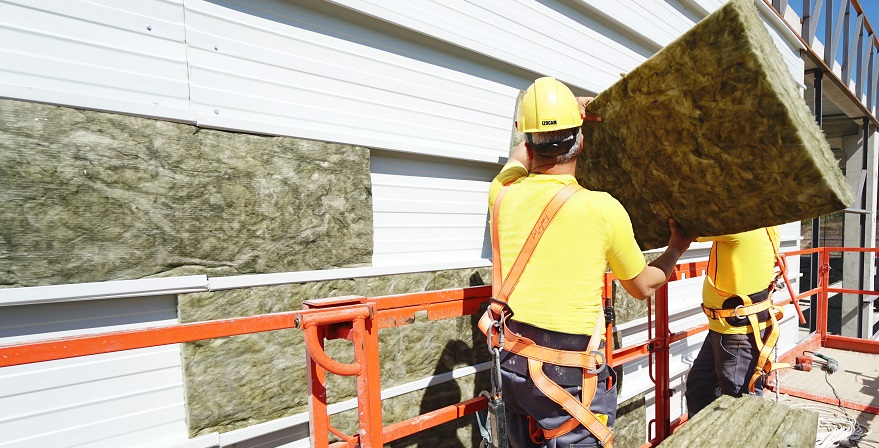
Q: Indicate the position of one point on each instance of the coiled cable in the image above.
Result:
(836, 428)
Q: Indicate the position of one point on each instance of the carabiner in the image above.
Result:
(496, 327)
(597, 369)
(496, 379)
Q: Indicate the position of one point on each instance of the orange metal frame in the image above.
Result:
(359, 319)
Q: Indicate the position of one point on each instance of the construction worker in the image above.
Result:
(736, 297)
(546, 314)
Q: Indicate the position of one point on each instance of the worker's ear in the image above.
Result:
(529, 152)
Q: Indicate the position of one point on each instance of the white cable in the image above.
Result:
(835, 427)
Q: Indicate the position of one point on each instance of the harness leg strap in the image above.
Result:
(569, 403)
(764, 364)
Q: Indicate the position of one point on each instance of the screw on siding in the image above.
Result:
(216, 111)
(149, 28)
(216, 48)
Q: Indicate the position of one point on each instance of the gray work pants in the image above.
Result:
(724, 365)
(522, 398)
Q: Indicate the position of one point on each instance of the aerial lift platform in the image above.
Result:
(853, 390)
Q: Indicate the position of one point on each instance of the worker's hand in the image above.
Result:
(583, 101)
(678, 240)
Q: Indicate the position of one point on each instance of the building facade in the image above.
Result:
(169, 161)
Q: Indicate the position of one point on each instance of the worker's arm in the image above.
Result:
(657, 273)
(520, 154)
(517, 166)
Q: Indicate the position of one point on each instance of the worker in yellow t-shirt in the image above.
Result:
(740, 272)
(556, 301)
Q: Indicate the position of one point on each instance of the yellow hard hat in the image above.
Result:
(548, 105)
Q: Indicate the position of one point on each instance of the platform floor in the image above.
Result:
(856, 381)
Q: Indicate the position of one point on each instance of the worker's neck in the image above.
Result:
(556, 168)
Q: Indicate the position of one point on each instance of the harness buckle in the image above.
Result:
(609, 314)
(710, 312)
(736, 311)
(597, 370)
(497, 328)
(778, 284)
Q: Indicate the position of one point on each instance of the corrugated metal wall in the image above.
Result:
(107, 401)
(96, 54)
(423, 78)
(281, 68)
(430, 86)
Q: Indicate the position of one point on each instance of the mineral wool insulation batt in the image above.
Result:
(711, 131)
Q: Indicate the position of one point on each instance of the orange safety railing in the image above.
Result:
(359, 319)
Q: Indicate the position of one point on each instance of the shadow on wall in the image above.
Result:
(456, 353)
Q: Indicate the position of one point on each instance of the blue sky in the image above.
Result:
(870, 7)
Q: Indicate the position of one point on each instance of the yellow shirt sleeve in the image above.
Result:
(624, 257)
(512, 171)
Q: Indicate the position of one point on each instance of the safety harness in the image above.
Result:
(751, 310)
(499, 337)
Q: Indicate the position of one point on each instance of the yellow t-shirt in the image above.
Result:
(560, 289)
(740, 264)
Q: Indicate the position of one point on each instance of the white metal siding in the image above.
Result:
(111, 400)
(790, 52)
(572, 46)
(256, 67)
(428, 210)
(298, 69)
(96, 54)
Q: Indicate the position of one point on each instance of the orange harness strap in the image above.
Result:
(538, 355)
(764, 364)
(537, 232)
(750, 310)
(739, 311)
(539, 435)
